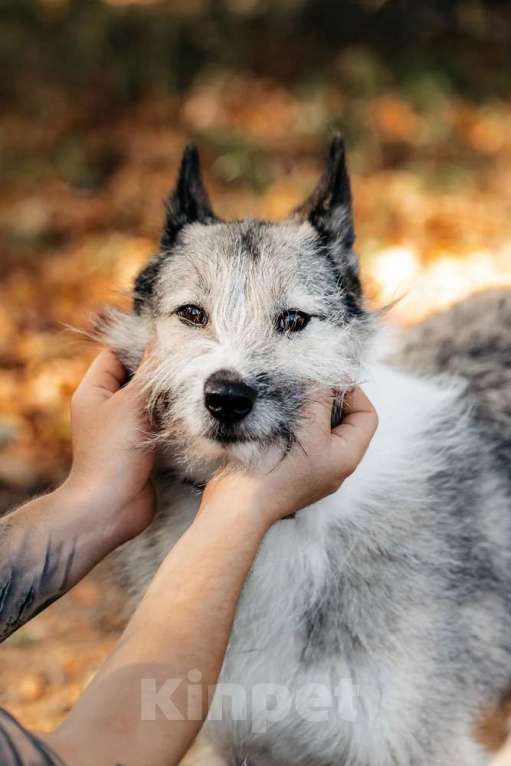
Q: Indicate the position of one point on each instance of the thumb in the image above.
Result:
(316, 423)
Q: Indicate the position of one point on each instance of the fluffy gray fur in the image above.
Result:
(399, 583)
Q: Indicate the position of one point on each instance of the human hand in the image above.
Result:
(316, 466)
(111, 465)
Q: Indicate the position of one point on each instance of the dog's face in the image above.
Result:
(251, 318)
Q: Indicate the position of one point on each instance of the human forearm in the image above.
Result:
(49, 544)
(46, 547)
(182, 624)
(208, 567)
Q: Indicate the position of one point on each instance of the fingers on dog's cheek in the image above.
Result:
(148, 361)
(318, 415)
(103, 378)
(141, 375)
(353, 436)
(345, 455)
(149, 349)
(136, 390)
(357, 403)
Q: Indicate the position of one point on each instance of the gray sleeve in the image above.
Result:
(18, 747)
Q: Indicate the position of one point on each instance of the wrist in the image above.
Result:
(236, 504)
(86, 507)
(87, 490)
(117, 518)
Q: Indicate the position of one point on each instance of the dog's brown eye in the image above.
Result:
(292, 320)
(192, 315)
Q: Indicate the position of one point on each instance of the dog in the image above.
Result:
(379, 620)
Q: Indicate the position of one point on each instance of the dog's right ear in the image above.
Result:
(189, 202)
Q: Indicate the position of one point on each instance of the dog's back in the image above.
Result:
(471, 340)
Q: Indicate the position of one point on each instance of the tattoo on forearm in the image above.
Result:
(34, 572)
(19, 747)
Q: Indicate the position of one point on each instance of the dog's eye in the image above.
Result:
(292, 320)
(192, 315)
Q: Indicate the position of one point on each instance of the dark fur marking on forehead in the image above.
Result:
(251, 232)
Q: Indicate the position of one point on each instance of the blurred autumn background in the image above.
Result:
(97, 101)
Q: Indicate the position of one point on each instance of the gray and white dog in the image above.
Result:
(380, 619)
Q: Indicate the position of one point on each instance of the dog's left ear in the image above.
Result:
(328, 209)
(189, 202)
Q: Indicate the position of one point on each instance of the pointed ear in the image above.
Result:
(189, 202)
(328, 209)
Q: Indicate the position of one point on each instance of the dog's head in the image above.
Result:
(251, 318)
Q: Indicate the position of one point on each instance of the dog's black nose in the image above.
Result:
(227, 398)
